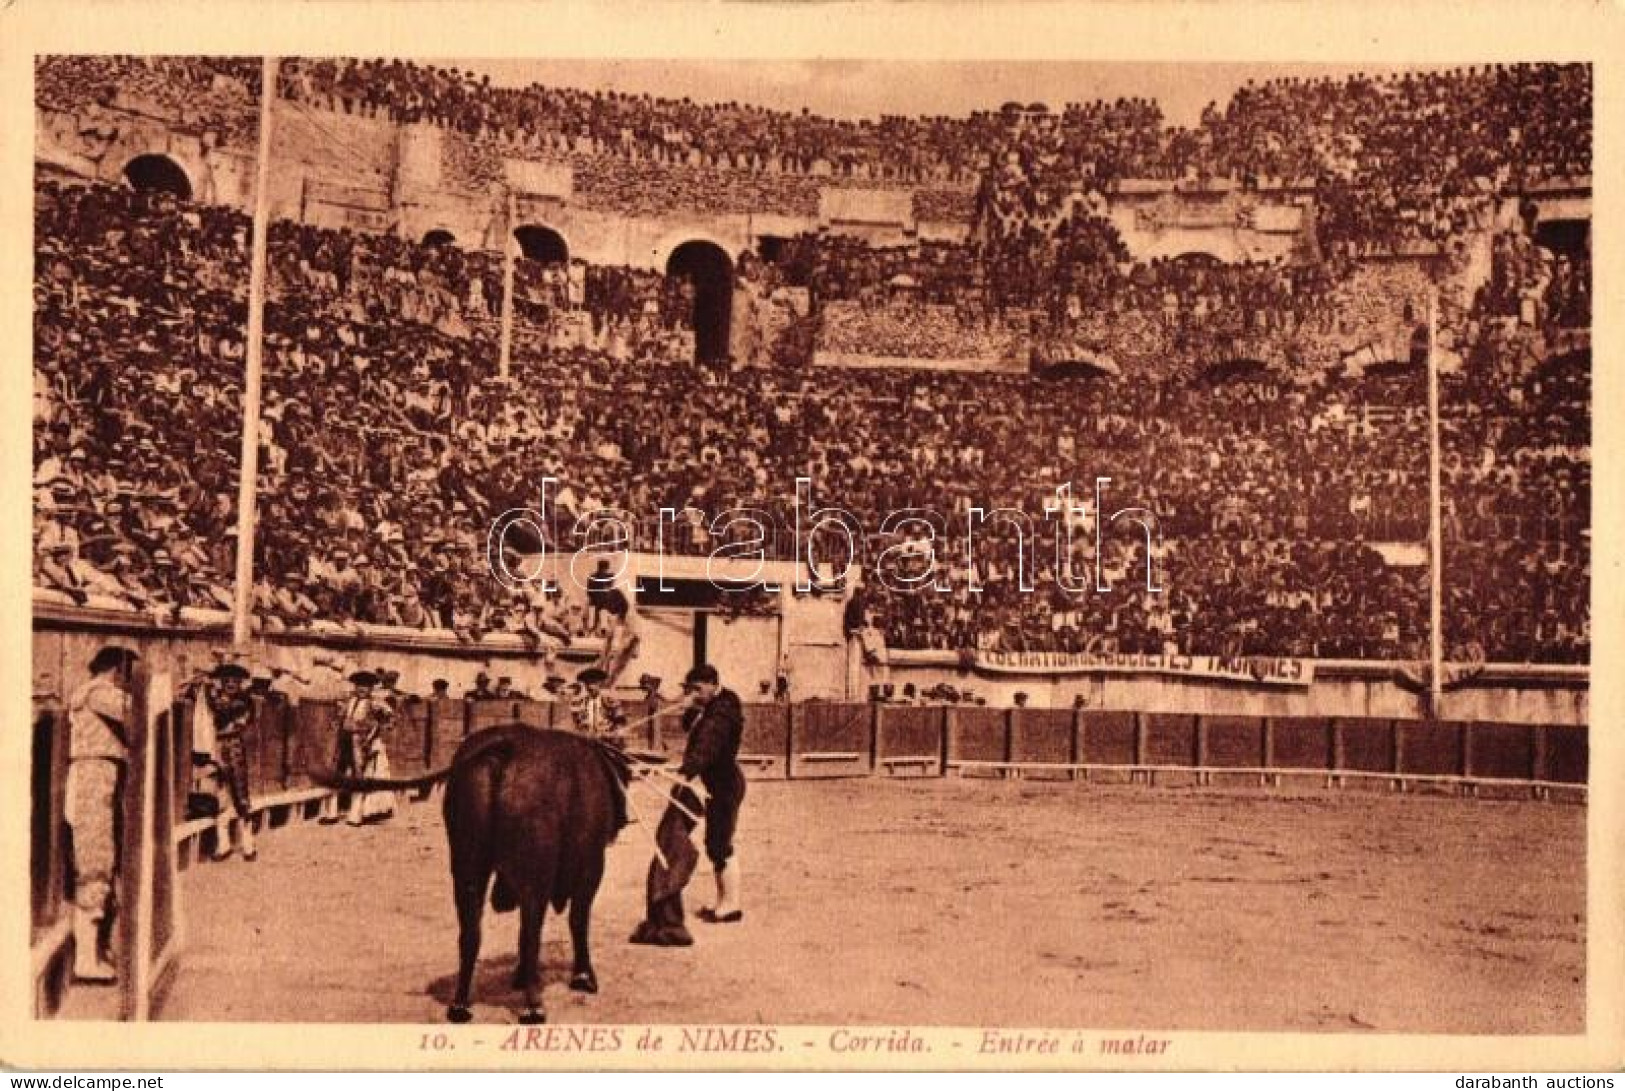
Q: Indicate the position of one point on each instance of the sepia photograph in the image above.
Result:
(825, 561)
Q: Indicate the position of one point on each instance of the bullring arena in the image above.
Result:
(1120, 891)
(1296, 740)
(1100, 907)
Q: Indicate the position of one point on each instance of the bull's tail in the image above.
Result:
(327, 778)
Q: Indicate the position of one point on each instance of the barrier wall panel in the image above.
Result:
(832, 726)
(1108, 738)
(409, 739)
(47, 826)
(256, 753)
(180, 727)
(1504, 751)
(315, 741)
(1170, 740)
(272, 729)
(764, 746)
(1042, 735)
(535, 714)
(1367, 745)
(1234, 742)
(484, 714)
(830, 739)
(767, 731)
(1301, 742)
(446, 727)
(164, 924)
(1568, 754)
(1431, 747)
(976, 734)
(910, 731)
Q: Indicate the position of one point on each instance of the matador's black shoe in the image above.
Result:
(670, 935)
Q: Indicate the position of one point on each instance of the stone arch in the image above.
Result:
(707, 266)
(542, 244)
(158, 173)
(439, 236)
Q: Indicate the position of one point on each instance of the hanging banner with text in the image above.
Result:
(1264, 670)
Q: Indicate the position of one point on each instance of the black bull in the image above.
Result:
(537, 809)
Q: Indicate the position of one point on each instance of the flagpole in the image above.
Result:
(505, 346)
(1435, 537)
(243, 604)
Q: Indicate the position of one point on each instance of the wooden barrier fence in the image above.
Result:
(812, 740)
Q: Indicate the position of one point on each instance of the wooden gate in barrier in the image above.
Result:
(50, 924)
(149, 923)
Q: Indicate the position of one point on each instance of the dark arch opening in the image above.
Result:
(439, 237)
(1569, 237)
(1419, 346)
(158, 173)
(542, 244)
(771, 248)
(707, 267)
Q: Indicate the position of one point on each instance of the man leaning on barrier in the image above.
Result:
(232, 708)
(99, 714)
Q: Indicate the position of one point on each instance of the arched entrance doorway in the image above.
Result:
(708, 268)
(439, 237)
(542, 244)
(158, 173)
(1570, 237)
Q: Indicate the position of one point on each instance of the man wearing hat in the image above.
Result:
(371, 748)
(99, 727)
(358, 717)
(594, 712)
(232, 709)
(715, 723)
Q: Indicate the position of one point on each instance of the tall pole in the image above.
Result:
(1435, 535)
(243, 604)
(505, 346)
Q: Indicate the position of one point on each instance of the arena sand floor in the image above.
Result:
(961, 902)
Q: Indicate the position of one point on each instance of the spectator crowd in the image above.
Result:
(1289, 489)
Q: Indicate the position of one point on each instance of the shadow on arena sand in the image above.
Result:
(965, 903)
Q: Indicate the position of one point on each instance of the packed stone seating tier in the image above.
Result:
(1394, 159)
(1289, 498)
